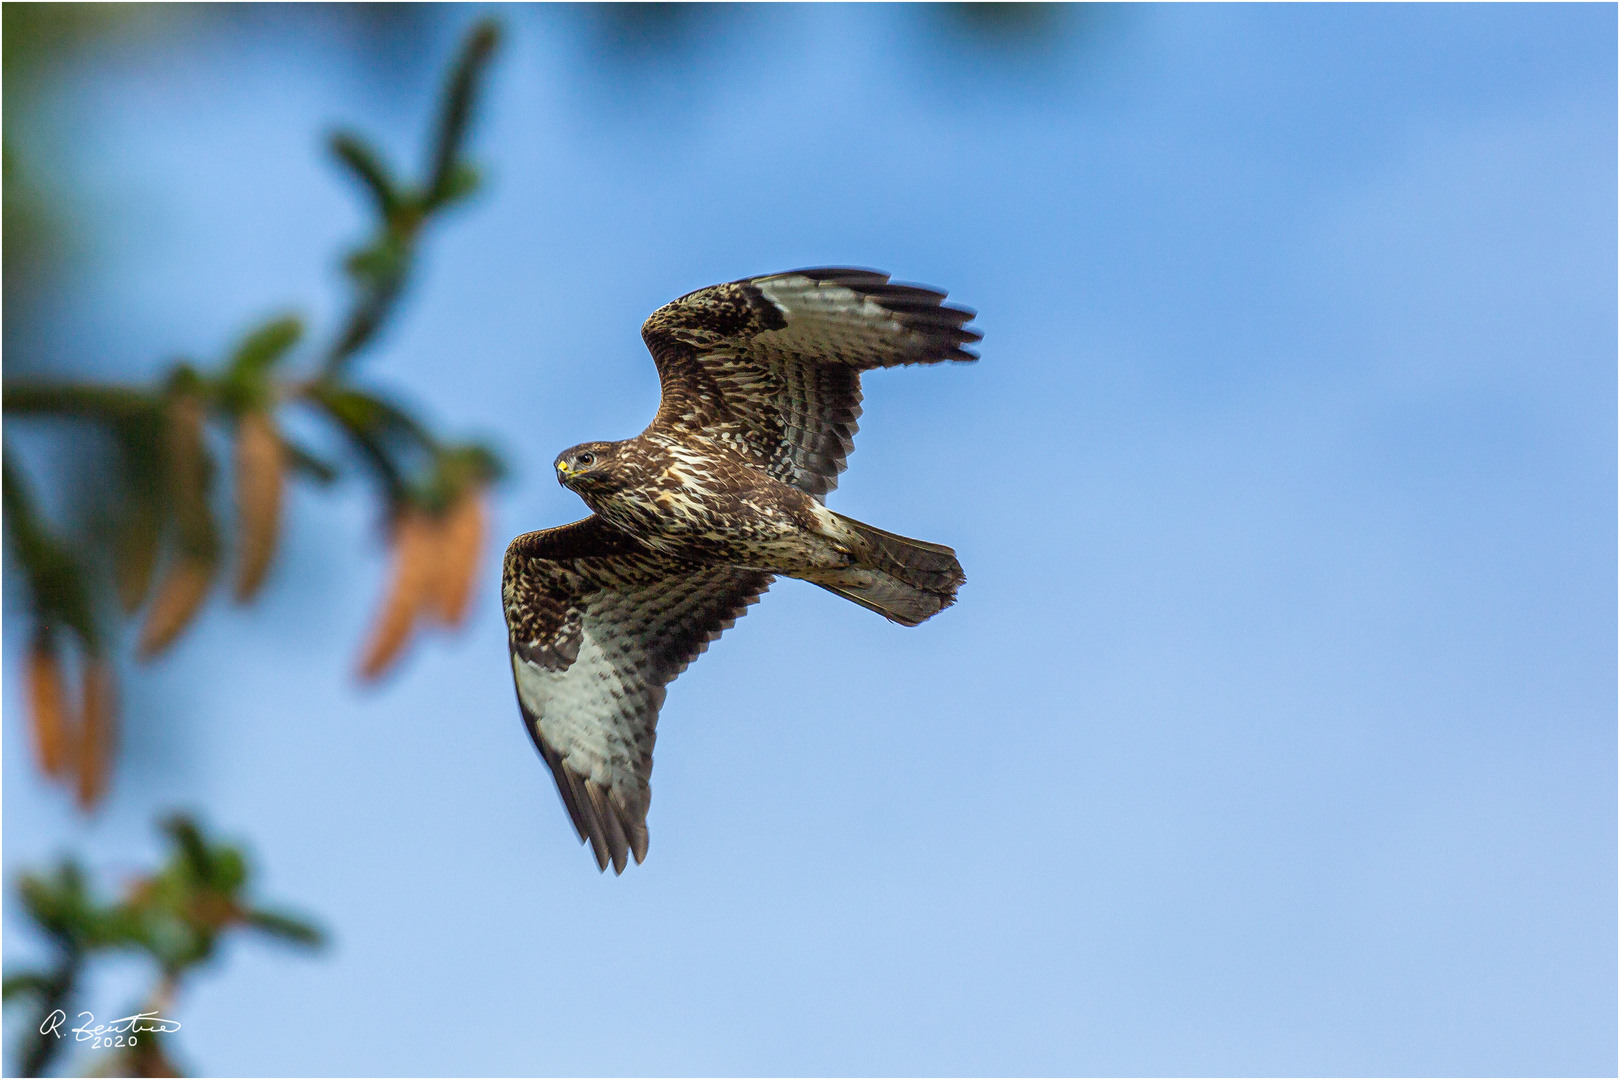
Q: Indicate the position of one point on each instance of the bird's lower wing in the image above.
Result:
(598, 625)
(771, 365)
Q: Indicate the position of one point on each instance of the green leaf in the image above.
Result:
(455, 469)
(191, 851)
(460, 95)
(462, 182)
(118, 927)
(77, 399)
(286, 927)
(264, 346)
(381, 263)
(57, 583)
(27, 982)
(229, 871)
(368, 167)
(358, 410)
(390, 440)
(245, 385)
(61, 904)
(477, 462)
(303, 461)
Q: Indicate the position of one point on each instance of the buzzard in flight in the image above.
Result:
(694, 518)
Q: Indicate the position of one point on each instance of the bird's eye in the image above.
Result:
(587, 460)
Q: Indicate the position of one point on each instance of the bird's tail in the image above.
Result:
(901, 579)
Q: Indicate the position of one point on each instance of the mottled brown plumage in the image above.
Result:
(695, 517)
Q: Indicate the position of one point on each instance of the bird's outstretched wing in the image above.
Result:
(598, 624)
(772, 366)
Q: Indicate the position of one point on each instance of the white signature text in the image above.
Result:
(121, 1032)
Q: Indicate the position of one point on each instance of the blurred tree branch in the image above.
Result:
(381, 267)
(175, 917)
(167, 548)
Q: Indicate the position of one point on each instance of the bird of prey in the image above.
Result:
(694, 518)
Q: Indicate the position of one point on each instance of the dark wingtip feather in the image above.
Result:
(919, 308)
(608, 831)
(638, 843)
(565, 787)
(840, 275)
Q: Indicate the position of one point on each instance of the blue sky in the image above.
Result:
(1274, 731)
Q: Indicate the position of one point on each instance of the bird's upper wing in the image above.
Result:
(598, 624)
(772, 365)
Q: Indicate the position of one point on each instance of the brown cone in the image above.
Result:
(461, 540)
(47, 699)
(259, 474)
(96, 733)
(416, 550)
(135, 551)
(181, 592)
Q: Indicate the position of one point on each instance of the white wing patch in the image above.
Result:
(595, 638)
(590, 713)
(833, 324)
(885, 323)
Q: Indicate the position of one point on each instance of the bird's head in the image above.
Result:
(588, 467)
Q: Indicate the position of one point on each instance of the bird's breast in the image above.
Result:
(696, 501)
